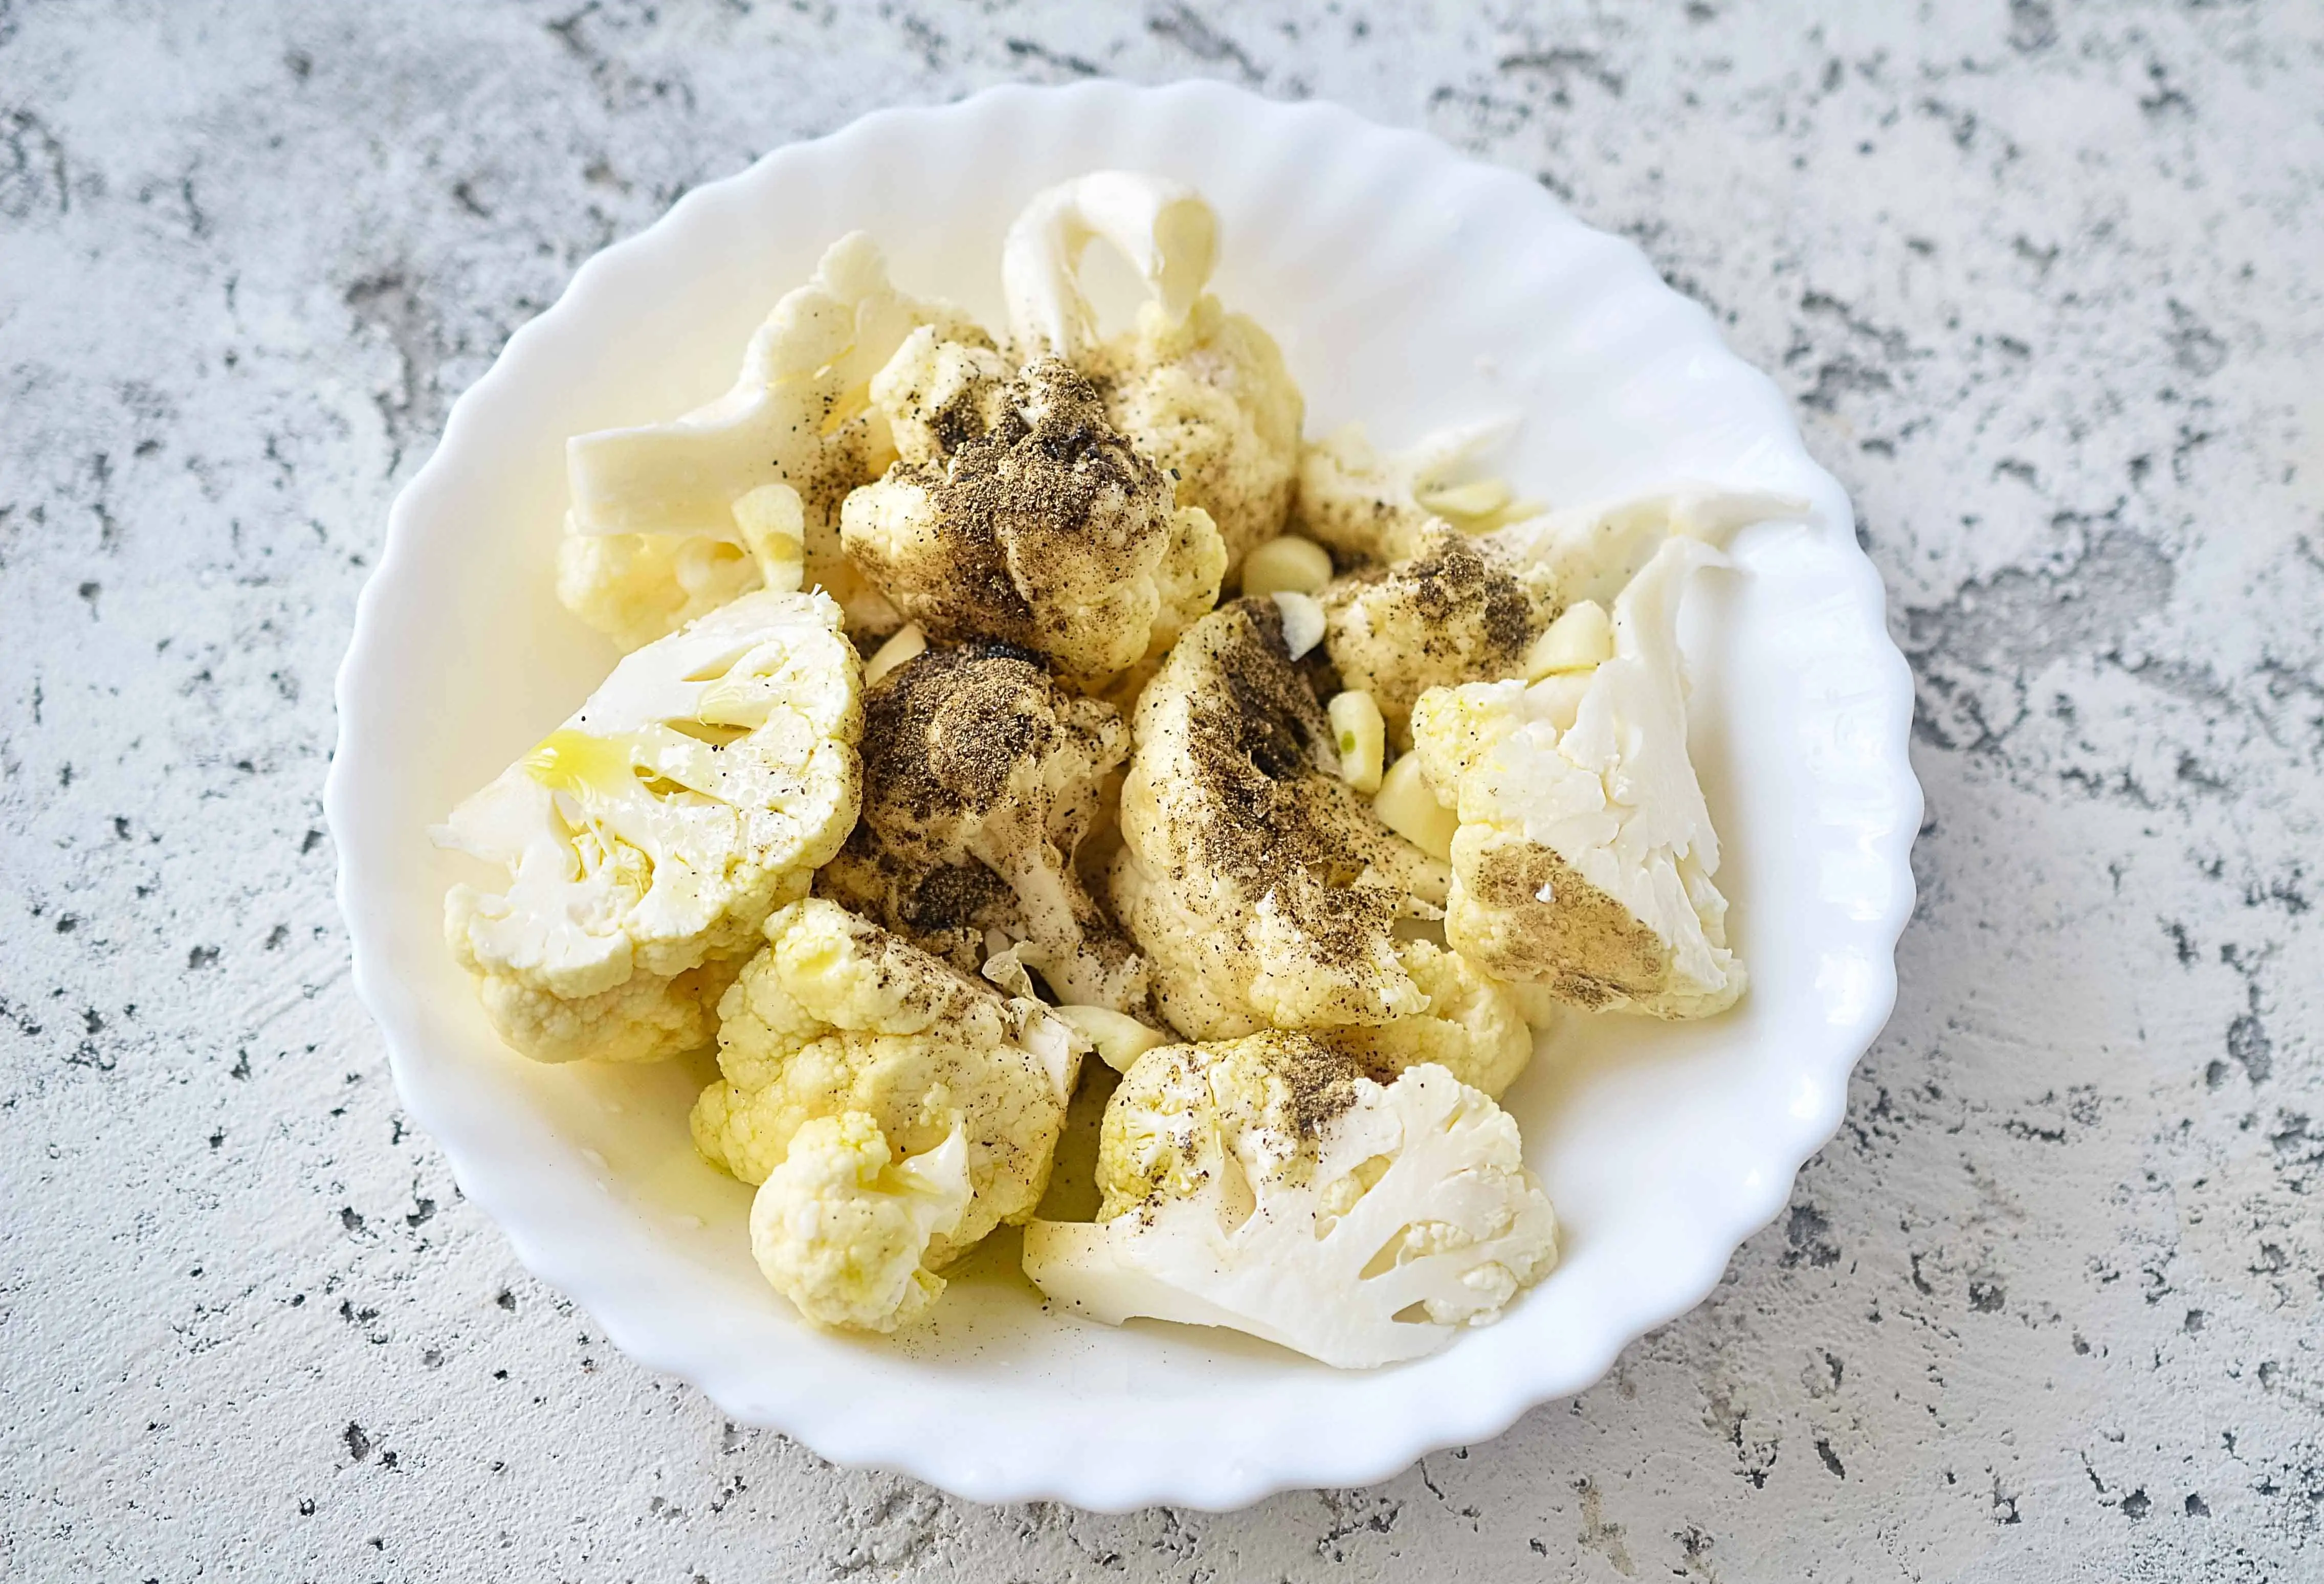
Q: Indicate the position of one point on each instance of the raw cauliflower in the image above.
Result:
(940, 391)
(836, 1016)
(981, 777)
(1466, 607)
(1261, 886)
(1201, 392)
(1585, 853)
(652, 541)
(1363, 506)
(845, 1235)
(647, 838)
(1272, 1185)
(1049, 531)
(1472, 1027)
(1459, 610)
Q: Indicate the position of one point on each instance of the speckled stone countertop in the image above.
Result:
(2043, 281)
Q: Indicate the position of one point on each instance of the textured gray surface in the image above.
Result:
(2043, 280)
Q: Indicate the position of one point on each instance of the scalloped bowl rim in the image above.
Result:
(1365, 1432)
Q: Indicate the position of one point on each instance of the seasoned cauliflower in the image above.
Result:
(834, 1017)
(1049, 531)
(1258, 882)
(981, 777)
(652, 541)
(1273, 1186)
(938, 392)
(1201, 392)
(1460, 609)
(844, 1236)
(1473, 1027)
(647, 838)
(1585, 852)
(1466, 607)
(1363, 506)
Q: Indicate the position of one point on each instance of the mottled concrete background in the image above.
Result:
(2044, 282)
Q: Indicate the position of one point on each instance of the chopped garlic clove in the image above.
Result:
(1286, 564)
(1360, 734)
(1408, 806)
(906, 644)
(1119, 1038)
(1580, 639)
(1302, 622)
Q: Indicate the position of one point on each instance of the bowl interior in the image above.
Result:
(1408, 288)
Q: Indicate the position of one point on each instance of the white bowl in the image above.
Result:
(1410, 287)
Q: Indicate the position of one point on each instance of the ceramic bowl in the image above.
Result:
(1409, 286)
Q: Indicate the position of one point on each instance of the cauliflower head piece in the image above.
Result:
(1364, 506)
(1473, 1027)
(1462, 604)
(981, 777)
(940, 391)
(843, 1234)
(647, 838)
(1585, 853)
(1262, 888)
(653, 541)
(1201, 392)
(1275, 1187)
(1048, 530)
(835, 1016)
(1461, 608)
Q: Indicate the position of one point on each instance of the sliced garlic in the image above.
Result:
(1288, 563)
(1119, 1038)
(1580, 639)
(906, 644)
(1408, 806)
(1360, 734)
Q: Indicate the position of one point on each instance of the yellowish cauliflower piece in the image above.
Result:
(1049, 531)
(835, 1016)
(981, 777)
(1210, 399)
(1585, 853)
(647, 838)
(652, 541)
(1456, 606)
(843, 1234)
(1460, 609)
(1473, 1027)
(940, 391)
(1202, 393)
(1257, 882)
(1273, 1186)
(1363, 506)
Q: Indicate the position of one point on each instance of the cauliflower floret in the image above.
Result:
(1258, 883)
(938, 394)
(1049, 531)
(652, 541)
(1466, 607)
(1201, 392)
(1363, 506)
(1271, 1185)
(844, 1235)
(1473, 1027)
(636, 587)
(1460, 609)
(837, 1016)
(647, 838)
(981, 777)
(1585, 852)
